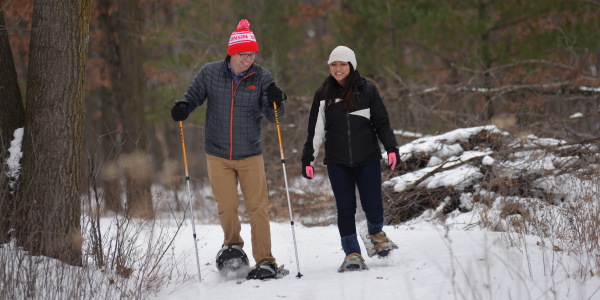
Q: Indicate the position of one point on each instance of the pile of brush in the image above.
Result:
(477, 165)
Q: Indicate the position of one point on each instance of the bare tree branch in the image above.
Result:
(535, 61)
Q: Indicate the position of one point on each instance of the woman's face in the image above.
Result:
(339, 70)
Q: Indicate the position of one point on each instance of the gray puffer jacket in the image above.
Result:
(234, 114)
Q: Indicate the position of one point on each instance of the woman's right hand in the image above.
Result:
(393, 157)
(308, 172)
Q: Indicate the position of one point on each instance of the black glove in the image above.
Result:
(275, 95)
(180, 111)
(308, 170)
(396, 156)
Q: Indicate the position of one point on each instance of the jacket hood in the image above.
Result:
(360, 81)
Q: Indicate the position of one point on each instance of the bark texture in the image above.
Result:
(50, 184)
(127, 168)
(12, 116)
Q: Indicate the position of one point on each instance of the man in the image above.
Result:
(238, 93)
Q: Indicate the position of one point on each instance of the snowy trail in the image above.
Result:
(421, 269)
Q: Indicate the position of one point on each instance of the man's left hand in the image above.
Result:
(275, 95)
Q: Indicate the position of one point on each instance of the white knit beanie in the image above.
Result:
(342, 53)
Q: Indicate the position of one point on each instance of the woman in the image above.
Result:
(349, 114)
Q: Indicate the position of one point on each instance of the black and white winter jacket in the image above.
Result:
(350, 136)
(234, 114)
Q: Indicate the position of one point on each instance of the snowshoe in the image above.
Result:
(232, 261)
(353, 262)
(268, 270)
(382, 245)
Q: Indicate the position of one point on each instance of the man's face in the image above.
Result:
(241, 62)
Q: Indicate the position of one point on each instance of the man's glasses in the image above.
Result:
(248, 55)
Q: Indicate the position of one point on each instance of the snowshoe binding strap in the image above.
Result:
(231, 258)
(266, 271)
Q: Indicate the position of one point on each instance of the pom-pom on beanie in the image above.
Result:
(342, 53)
(242, 40)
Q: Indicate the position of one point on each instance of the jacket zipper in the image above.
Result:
(231, 115)
(349, 137)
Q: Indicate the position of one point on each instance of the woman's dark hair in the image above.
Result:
(349, 91)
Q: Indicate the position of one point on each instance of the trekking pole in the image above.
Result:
(287, 190)
(187, 178)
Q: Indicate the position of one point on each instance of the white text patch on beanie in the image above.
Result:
(241, 37)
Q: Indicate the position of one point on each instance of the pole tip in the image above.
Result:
(299, 275)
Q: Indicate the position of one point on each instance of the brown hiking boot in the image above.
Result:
(353, 262)
(382, 245)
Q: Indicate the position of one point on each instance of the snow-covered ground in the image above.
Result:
(457, 256)
(432, 263)
(479, 250)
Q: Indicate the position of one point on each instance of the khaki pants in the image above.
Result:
(223, 175)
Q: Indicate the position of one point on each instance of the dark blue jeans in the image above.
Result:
(343, 182)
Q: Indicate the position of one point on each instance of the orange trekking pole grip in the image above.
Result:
(287, 190)
(187, 179)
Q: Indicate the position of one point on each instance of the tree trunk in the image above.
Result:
(483, 11)
(125, 102)
(112, 126)
(12, 116)
(54, 119)
(12, 112)
(139, 197)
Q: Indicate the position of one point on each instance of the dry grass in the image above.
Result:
(122, 257)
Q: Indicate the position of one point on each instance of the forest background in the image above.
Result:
(525, 66)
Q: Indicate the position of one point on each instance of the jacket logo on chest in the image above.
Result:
(252, 87)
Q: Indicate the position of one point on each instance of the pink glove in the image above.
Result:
(392, 159)
(310, 172)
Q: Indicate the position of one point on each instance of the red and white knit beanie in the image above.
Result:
(242, 40)
(342, 53)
